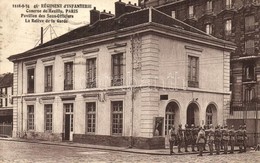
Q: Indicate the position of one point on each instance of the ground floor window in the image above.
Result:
(117, 117)
(91, 117)
(48, 117)
(30, 117)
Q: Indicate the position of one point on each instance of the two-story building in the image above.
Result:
(122, 80)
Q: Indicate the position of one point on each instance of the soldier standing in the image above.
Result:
(206, 127)
(172, 138)
(194, 134)
(240, 138)
(180, 138)
(221, 142)
(187, 137)
(232, 139)
(217, 139)
(210, 138)
(225, 139)
(245, 137)
(201, 139)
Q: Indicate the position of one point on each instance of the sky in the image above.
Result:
(17, 35)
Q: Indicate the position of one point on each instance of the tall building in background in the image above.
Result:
(122, 80)
(237, 21)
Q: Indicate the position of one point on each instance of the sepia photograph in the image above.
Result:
(129, 81)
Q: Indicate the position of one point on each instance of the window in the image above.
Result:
(191, 11)
(209, 29)
(228, 4)
(209, 7)
(170, 116)
(1, 96)
(250, 47)
(68, 74)
(249, 72)
(30, 80)
(117, 70)
(48, 117)
(249, 94)
(193, 74)
(250, 23)
(48, 79)
(91, 73)
(91, 117)
(117, 117)
(228, 27)
(30, 117)
(173, 14)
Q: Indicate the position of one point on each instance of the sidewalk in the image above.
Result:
(101, 147)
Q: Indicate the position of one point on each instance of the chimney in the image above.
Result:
(119, 8)
(130, 7)
(104, 15)
(94, 15)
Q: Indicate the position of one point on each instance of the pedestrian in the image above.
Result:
(221, 141)
(194, 135)
(172, 138)
(240, 138)
(187, 137)
(232, 140)
(201, 139)
(225, 139)
(179, 137)
(217, 139)
(245, 137)
(210, 138)
(206, 127)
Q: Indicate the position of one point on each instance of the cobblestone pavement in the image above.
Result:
(22, 152)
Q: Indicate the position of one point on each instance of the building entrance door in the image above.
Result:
(68, 121)
(193, 114)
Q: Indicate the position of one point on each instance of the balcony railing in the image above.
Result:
(250, 51)
(68, 86)
(30, 90)
(91, 84)
(193, 84)
(48, 89)
(117, 82)
(250, 28)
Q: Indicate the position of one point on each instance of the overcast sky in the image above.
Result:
(16, 36)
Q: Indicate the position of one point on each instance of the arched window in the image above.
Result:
(209, 115)
(170, 116)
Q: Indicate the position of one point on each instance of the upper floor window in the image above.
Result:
(228, 27)
(30, 117)
(250, 47)
(30, 80)
(68, 76)
(117, 117)
(249, 72)
(249, 94)
(91, 117)
(209, 8)
(191, 11)
(174, 14)
(48, 117)
(249, 23)
(209, 29)
(228, 4)
(91, 73)
(48, 79)
(117, 69)
(193, 74)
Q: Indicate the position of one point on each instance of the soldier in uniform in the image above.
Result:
(201, 139)
(225, 138)
(180, 138)
(194, 134)
(187, 137)
(245, 137)
(210, 138)
(172, 138)
(217, 139)
(232, 138)
(240, 138)
(221, 142)
(206, 127)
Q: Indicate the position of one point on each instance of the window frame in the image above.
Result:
(228, 27)
(117, 81)
(193, 71)
(68, 75)
(92, 116)
(91, 80)
(191, 12)
(119, 118)
(31, 80)
(48, 111)
(30, 118)
(209, 6)
(48, 75)
(209, 28)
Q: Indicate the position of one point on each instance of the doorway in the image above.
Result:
(68, 122)
(193, 114)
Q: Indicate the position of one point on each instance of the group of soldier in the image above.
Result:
(221, 137)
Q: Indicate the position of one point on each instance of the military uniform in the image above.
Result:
(240, 139)
(210, 139)
(172, 139)
(194, 134)
(217, 139)
(225, 139)
(187, 137)
(201, 139)
(179, 138)
(245, 138)
(232, 138)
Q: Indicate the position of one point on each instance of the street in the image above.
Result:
(13, 151)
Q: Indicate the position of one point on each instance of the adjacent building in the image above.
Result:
(122, 80)
(236, 21)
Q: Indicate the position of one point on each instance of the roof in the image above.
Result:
(6, 80)
(114, 24)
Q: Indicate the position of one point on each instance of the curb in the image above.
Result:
(102, 148)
